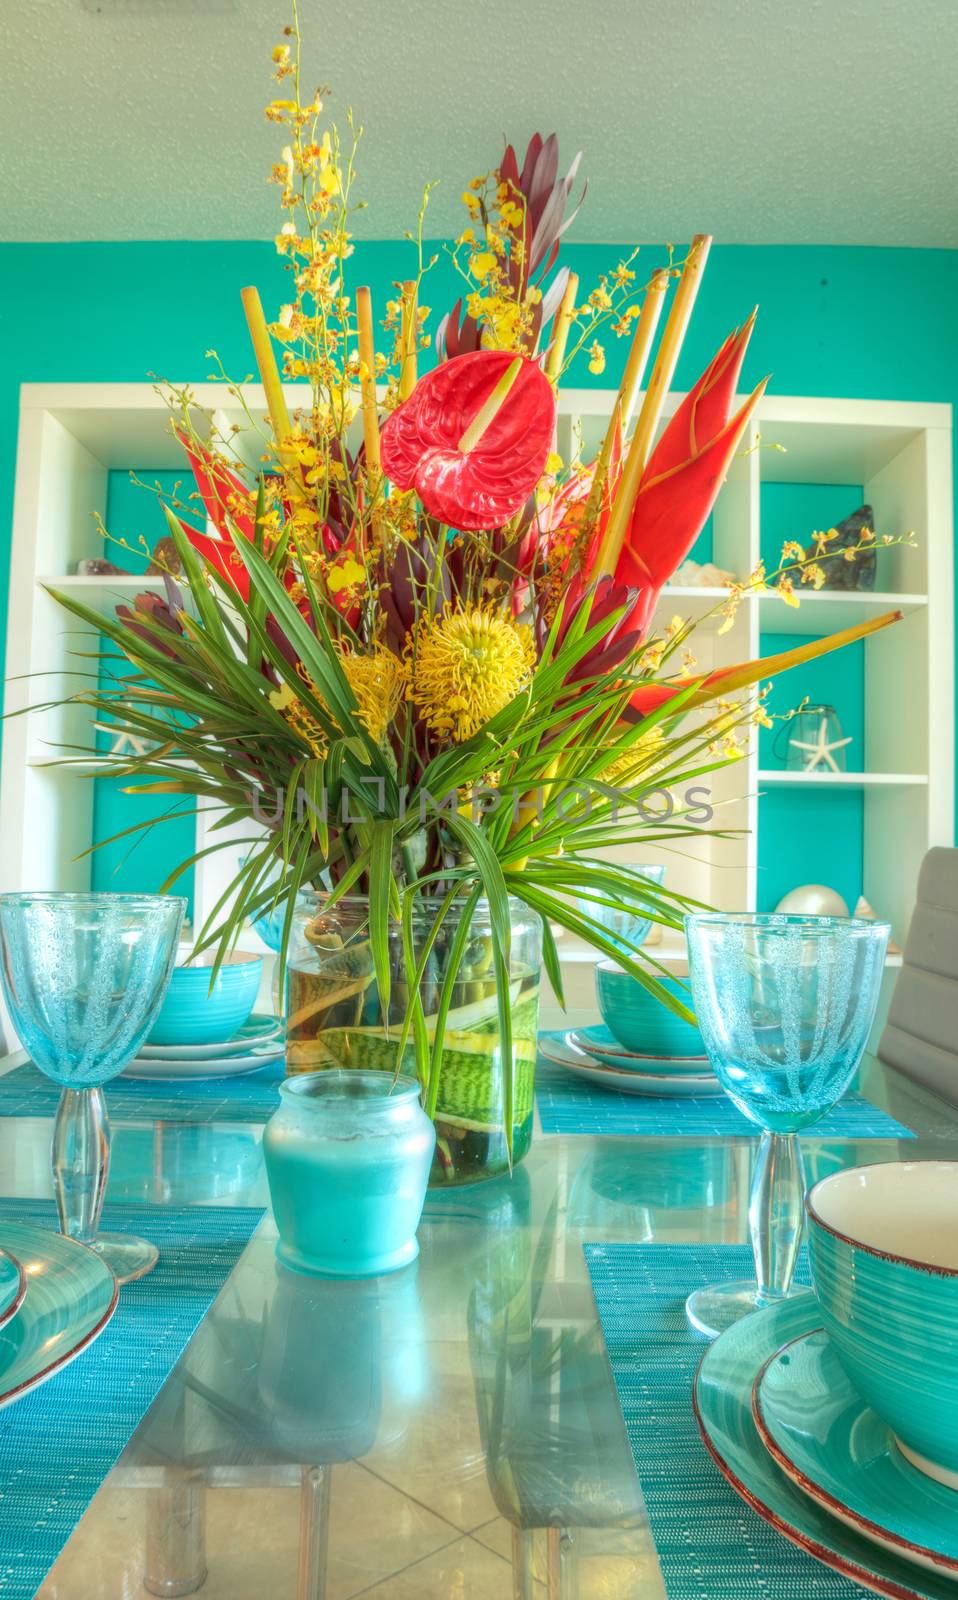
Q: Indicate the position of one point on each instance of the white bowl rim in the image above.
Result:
(932, 1268)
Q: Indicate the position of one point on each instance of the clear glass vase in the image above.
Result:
(336, 1019)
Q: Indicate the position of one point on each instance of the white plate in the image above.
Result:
(259, 1030)
(563, 1053)
(177, 1071)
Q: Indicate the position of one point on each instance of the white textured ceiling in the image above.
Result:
(819, 121)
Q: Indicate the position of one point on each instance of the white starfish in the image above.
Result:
(121, 738)
(820, 753)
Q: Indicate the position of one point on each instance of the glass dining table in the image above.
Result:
(452, 1431)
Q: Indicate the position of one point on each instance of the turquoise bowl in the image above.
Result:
(193, 1014)
(347, 1159)
(639, 1021)
(883, 1248)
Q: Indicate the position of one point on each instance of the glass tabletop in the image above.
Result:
(450, 1431)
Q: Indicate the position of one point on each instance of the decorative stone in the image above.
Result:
(97, 567)
(866, 913)
(165, 557)
(841, 574)
(691, 575)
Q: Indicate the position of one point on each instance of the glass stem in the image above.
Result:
(81, 1158)
(776, 1213)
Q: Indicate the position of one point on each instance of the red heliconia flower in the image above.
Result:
(473, 438)
(685, 472)
(649, 697)
(224, 495)
(565, 513)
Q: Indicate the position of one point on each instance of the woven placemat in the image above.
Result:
(711, 1546)
(242, 1097)
(568, 1104)
(58, 1443)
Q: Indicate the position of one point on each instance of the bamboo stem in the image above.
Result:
(628, 390)
(561, 323)
(408, 339)
(266, 362)
(641, 345)
(662, 374)
(367, 389)
(490, 407)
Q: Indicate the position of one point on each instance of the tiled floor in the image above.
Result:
(381, 1543)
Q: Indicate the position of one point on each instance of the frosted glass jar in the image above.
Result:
(347, 1158)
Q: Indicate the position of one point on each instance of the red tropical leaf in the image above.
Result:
(473, 438)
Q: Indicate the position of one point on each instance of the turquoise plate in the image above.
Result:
(261, 1029)
(824, 1437)
(681, 1085)
(723, 1408)
(13, 1284)
(600, 1043)
(71, 1296)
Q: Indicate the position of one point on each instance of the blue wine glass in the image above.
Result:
(84, 977)
(625, 923)
(785, 1005)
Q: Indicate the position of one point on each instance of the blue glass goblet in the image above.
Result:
(627, 924)
(785, 1005)
(84, 976)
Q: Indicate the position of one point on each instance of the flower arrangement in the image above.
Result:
(418, 649)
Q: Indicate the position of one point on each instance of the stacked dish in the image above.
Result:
(209, 1030)
(258, 1042)
(835, 1414)
(642, 1047)
(56, 1297)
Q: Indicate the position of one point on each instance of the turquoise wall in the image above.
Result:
(841, 321)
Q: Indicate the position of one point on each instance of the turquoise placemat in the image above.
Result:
(247, 1097)
(711, 1546)
(58, 1443)
(568, 1104)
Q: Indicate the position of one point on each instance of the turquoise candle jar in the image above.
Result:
(347, 1159)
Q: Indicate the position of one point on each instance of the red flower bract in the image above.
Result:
(472, 482)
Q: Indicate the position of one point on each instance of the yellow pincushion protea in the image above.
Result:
(377, 681)
(466, 665)
(638, 761)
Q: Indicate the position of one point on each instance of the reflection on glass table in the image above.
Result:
(449, 1430)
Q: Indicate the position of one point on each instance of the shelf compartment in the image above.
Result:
(825, 611)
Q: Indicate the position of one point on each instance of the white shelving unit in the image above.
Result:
(72, 435)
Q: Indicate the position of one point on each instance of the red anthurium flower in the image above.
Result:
(473, 438)
(687, 468)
